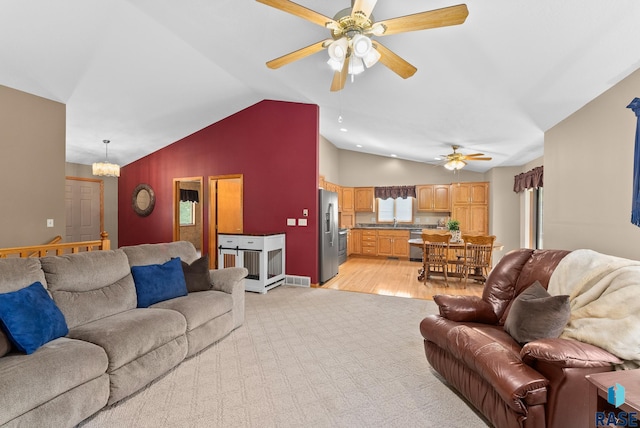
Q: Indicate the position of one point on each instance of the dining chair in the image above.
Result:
(435, 254)
(478, 253)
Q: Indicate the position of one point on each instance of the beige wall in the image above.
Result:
(504, 209)
(328, 161)
(32, 168)
(588, 176)
(110, 198)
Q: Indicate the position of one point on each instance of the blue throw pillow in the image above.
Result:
(31, 318)
(155, 283)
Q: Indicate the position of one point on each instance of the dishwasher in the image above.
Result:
(415, 252)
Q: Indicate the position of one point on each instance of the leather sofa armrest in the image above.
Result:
(228, 278)
(465, 308)
(567, 353)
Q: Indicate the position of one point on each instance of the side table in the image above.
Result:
(599, 384)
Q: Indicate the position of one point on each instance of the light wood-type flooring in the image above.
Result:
(393, 277)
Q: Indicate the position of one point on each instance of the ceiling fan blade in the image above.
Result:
(475, 159)
(444, 17)
(475, 154)
(396, 64)
(340, 77)
(363, 8)
(302, 12)
(299, 54)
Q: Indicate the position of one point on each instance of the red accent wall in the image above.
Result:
(274, 144)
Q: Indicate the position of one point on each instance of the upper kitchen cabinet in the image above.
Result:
(347, 199)
(363, 199)
(433, 198)
(470, 206)
(470, 193)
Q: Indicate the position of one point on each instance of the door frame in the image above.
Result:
(213, 213)
(176, 207)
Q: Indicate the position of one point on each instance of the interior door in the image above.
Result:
(225, 210)
(84, 209)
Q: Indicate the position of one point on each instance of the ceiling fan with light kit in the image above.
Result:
(351, 47)
(456, 161)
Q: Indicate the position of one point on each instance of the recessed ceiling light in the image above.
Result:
(359, 145)
(344, 129)
(394, 156)
(437, 158)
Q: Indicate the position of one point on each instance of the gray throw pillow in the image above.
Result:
(535, 314)
(196, 274)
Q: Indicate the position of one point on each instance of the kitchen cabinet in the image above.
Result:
(354, 242)
(347, 219)
(363, 199)
(433, 198)
(347, 199)
(393, 243)
(470, 205)
(369, 243)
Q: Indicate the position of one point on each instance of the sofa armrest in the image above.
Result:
(227, 279)
(567, 353)
(465, 308)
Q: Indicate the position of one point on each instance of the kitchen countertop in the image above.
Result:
(398, 227)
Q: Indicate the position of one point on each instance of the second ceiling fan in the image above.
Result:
(351, 47)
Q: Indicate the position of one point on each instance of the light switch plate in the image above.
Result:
(302, 222)
(49, 222)
(291, 222)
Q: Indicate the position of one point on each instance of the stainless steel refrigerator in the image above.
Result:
(328, 235)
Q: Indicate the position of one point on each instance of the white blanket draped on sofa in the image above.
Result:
(604, 292)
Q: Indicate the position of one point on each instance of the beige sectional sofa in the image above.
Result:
(112, 348)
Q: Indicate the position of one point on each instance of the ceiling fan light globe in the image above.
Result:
(455, 164)
(356, 66)
(335, 64)
(361, 45)
(371, 58)
(338, 49)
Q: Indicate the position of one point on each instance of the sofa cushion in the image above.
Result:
(535, 314)
(55, 368)
(91, 285)
(199, 308)
(17, 273)
(158, 282)
(148, 254)
(196, 274)
(129, 335)
(30, 318)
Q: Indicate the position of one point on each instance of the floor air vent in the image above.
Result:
(300, 281)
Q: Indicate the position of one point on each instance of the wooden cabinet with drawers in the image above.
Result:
(369, 243)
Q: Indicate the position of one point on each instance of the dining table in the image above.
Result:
(456, 247)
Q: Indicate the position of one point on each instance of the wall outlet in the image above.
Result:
(373, 219)
(302, 222)
(49, 222)
(291, 222)
(305, 212)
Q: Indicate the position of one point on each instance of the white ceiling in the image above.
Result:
(145, 73)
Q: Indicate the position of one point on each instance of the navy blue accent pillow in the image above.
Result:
(30, 318)
(156, 283)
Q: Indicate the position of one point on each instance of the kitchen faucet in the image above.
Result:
(395, 222)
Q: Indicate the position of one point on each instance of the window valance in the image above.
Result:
(189, 196)
(529, 180)
(395, 192)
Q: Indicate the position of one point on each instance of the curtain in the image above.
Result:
(189, 196)
(395, 192)
(529, 180)
(635, 198)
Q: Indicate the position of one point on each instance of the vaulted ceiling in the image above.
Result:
(145, 73)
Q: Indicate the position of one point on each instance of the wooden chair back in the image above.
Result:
(478, 251)
(435, 253)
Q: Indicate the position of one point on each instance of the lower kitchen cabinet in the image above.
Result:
(393, 243)
(369, 243)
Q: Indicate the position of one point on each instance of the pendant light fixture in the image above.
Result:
(106, 169)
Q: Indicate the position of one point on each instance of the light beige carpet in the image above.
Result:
(305, 357)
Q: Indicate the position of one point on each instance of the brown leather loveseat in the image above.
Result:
(540, 384)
